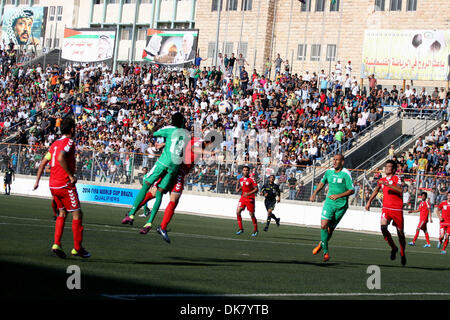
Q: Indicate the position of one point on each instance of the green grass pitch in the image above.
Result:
(205, 260)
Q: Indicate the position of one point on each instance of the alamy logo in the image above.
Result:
(74, 280)
(374, 280)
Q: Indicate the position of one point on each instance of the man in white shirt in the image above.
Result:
(348, 68)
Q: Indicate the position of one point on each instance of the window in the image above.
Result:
(320, 5)
(181, 25)
(331, 52)
(379, 5)
(24, 2)
(48, 43)
(231, 5)
(315, 52)
(411, 5)
(10, 2)
(301, 52)
(396, 5)
(142, 34)
(56, 43)
(243, 49)
(211, 49)
(215, 5)
(334, 5)
(130, 1)
(306, 6)
(228, 48)
(52, 13)
(163, 25)
(146, 1)
(59, 13)
(113, 1)
(127, 34)
(99, 1)
(246, 5)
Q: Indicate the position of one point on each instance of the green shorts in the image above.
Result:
(333, 213)
(162, 175)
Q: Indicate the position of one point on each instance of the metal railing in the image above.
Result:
(216, 178)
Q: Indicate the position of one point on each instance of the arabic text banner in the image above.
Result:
(88, 45)
(406, 54)
(171, 47)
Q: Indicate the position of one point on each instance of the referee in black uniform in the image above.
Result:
(9, 175)
(271, 191)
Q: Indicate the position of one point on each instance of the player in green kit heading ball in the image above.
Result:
(166, 167)
(340, 187)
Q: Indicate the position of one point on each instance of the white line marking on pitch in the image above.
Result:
(190, 235)
(255, 295)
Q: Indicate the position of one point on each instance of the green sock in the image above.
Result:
(140, 196)
(156, 205)
(324, 235)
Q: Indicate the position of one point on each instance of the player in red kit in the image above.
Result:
(443, 213)
(61, 157)
(249, 188)
(425, 210)
(392, 210)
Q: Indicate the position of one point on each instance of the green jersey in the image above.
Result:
(172, 155)
(338, 182)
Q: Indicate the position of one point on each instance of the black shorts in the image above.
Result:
(7, 181)
(270, 204)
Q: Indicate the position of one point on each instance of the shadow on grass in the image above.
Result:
(35, 283)
(246, 261)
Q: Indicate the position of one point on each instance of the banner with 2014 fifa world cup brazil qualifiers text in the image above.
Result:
(406, 54)
(110, 195)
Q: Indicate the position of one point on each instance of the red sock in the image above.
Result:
(59, 228)
(427, 238)
(77, 230)
(148, 196)
(416, 236)
(239, 219)
(255, 224)
(445, 244)
(55, 208)
(168, 214)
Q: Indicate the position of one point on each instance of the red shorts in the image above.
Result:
(66, 198)
(396, 215)
(248, 203)
(445, 227)
(422, 224)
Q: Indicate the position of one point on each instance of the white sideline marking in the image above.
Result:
(107, 228)
(256, 295)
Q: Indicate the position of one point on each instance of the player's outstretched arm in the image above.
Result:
(40, 171)
(438, 214)
(314, 195)
(374, 194)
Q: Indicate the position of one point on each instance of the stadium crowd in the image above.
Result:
(313, 115)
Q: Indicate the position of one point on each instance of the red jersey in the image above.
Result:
(391, 199)
(444, 206)
(58, 177)
(424, 209)
(191, 157)
(247, 185)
